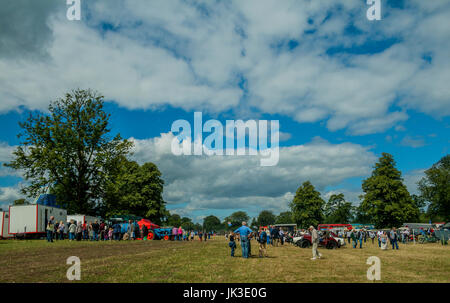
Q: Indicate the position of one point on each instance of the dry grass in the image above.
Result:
(161, 261)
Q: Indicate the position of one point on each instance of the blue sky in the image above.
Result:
(344, 89)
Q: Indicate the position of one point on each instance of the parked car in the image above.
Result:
(327, 242)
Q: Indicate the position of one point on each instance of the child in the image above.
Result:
(232, 244)
(110, 233)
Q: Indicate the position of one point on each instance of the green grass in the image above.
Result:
(167, 261)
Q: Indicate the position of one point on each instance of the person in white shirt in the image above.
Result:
(379, 234)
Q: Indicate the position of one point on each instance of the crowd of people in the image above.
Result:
(356, 237)
(104, 231)
(271, 235)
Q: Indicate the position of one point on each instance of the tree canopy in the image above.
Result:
(237, 218)
(266, 217)
(136, 189)
(386, 199)
(435, 188)
(69, 150)
(307, 206)
(337, 210)
(284, 218)
(211, 223)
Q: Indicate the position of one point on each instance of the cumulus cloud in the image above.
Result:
(6, 155)
(296, 57)
(411, 178)
(230, 182)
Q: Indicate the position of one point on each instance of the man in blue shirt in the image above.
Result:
(244, 231)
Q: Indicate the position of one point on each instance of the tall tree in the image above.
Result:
(186, 223)
(435, 188)
(265, 217)
(337, 210)
(211, 223)
(174, 220)
(236, 219)
(135, 189)
(69, 150)
(284, 218)
(307, 206)
(386, 198)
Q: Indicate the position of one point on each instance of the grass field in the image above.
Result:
(166, 261)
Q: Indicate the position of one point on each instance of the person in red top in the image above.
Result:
(85, 232)
(180, 234)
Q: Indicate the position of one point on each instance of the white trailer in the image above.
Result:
(32, 219)
(83, 218)
(4, 222)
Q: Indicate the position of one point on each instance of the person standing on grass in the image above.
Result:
(50, 228)
(110, 233)
(174, 235)
(232, 244)
(315, 243)
(394, 238)
(274, 236)
(379, 234)
(95, 230)
(353, 237)
(101, 231)
(72, 230)
(130, 229)
(372, 236)
(200, 235)
(61, 228)
(56, 231)
(180, 234)
(79, 231)
(244, 232)
(361, 236)
(116, 230)
(262, 239)
(205, 235)
(348, 235)
(137, 232)
(383, 239)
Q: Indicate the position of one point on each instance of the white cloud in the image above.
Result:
(411, 178)
(193, 55)
(229, 182)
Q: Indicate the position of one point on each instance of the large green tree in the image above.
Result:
(435, 189)
(70, 150)
(307, 206)
(136, 189)
(386, 199)
(187, 224)
(284, 218)
(211, 223)
(236, 219)
(337, 210)
(174, 220)
(266, 217)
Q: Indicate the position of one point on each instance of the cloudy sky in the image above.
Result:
(345, 89)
